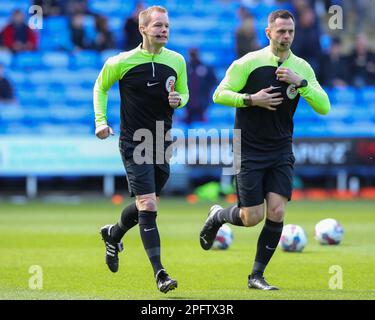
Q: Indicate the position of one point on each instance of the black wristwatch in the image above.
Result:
(303, 84)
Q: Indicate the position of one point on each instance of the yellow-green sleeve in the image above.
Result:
(110, 73)
(314, 94)
(235, 80)
(182, 84)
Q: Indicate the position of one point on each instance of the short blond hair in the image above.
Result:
(145, 15)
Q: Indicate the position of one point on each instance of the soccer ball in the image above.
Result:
(224, 238)
(293, 238)
(328, 231)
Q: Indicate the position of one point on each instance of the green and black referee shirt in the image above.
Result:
(262, 130)
(145, 80)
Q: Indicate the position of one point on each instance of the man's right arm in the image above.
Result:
(110, 73)
(234, 81)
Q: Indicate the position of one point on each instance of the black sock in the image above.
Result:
(230, 215)
(128, 219)
(150, 238)
(267, 244)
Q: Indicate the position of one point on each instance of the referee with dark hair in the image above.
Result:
(265, 87)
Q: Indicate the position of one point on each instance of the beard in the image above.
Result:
(282, 46)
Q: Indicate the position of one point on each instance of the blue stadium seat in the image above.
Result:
(51, 96)
(16, 128)
(85, 59)
(179, 39)
(116, 25)
(113, 95)
(104, 55)
(368, 95)
(341, 112)
(309, 129)
(24, 94)
(6, 58)
(16, 76)
(363, 128)
(40, 78)
(3, 21)
(7, 7)
(261, 9)
(52, 129)
(79, 95)
(28, 61)
(78, 114)
(347, 95)
(11, 112)
(67, 77)
(56, 34)
(217, 58)
(260, 25)
(56, 24)
(117, 7)
(304, 112)
(55, 59)
(35, 115)
(221, 114)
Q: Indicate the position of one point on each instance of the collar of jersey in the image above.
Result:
(276, 59)
(147, 53)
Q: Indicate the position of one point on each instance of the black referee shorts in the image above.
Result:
(143, 178)
(256, 179)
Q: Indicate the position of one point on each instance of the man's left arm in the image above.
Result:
(313, 93)
(181, 84)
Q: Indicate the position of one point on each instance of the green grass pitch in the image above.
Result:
(64, 241)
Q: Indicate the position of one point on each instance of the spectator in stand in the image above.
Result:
(6, 90)
(246, 40)
(17, 35)
(307, 38)
(73, 7)
(357, 9)
(202, 79)
(299, 6)
(132, 36)
(104, 38)
(334, 66)
(78, 35)
(363, 62)
(50, 7)
(62, 7)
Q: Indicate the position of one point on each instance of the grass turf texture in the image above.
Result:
(64, 240)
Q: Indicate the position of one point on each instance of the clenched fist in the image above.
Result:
(103, 131)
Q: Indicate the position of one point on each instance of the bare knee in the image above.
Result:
(146, 202)
(276, 213)
(252, 216)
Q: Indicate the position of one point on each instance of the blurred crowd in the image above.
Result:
(336, 64)
(339, 58)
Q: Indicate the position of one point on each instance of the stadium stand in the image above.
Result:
(54, 85)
